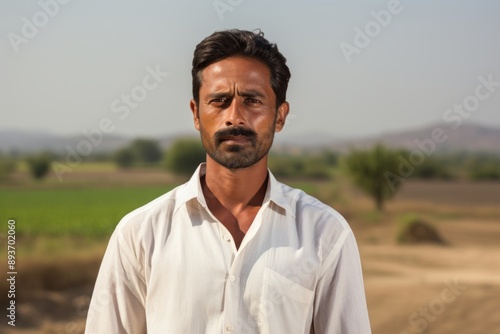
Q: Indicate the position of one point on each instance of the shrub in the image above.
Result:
(413, 230)
(298, 166)
(485, 171)
(39, 165)
(124, 158)
(140, 151)
(146, 151)
(432, 169)
(184, 156)
(7, 167)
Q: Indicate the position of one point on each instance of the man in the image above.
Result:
(232, 250)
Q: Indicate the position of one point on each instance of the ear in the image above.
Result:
(283, 110)
(196, 114)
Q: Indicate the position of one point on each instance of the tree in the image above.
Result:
(483, 167)
(184, 156)
(39, 165)
(7, 166)
(140, 151)
(484, 171)
(146, 150)
(285, 165)
(371, 170)
(432, 169)
(124, 157)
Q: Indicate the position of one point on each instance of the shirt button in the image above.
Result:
(226, 237)
(232, 278)
(229, 328)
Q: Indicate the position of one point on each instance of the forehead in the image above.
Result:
(236, 71)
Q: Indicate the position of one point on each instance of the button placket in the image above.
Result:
(231, 294)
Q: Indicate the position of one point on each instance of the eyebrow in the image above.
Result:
(246, 93)
(251, 93)
(217, 95)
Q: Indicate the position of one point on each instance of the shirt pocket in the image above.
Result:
(285, 306)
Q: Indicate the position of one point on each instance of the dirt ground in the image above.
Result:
(431, 288)
(410, 288)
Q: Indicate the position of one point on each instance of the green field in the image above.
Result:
(91, 212)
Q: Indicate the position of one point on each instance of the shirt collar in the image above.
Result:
(192, 189)
(276, 192)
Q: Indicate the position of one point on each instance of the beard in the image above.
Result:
(240, 155)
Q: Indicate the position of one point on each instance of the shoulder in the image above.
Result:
(150, 216)
(304, 205)
(324, 223)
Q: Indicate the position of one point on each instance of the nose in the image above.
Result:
(234, 114)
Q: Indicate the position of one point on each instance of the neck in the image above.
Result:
(236, 189)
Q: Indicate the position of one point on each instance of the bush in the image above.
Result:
(298, 166)
(484, 172)
(139, 152)
(316, 168)
(124, 158)
(416, 231)
(286, 166)
(432, 169)
(184, 156)
(330, 158)
(146, 151)
(39, 165)
(7, 167)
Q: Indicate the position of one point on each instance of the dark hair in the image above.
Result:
(224, 44)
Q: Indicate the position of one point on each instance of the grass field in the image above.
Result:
(92, 212)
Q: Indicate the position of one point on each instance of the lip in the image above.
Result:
(235, 139)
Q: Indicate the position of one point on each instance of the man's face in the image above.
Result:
(236, 114)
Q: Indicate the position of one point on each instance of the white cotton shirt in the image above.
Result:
(172, 268)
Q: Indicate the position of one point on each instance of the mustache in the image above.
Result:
(234, 131)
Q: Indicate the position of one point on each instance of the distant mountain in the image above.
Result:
(466, 137)
(27, 141)
(22, 141)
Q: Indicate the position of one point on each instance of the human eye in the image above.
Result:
(251, 100)
(219, 101)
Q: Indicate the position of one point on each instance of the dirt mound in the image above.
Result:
(417, 231)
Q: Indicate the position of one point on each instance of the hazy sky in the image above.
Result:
(65, 68)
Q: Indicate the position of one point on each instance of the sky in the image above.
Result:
(359, 68)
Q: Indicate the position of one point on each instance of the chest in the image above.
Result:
(199, 272)
(237, 224)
